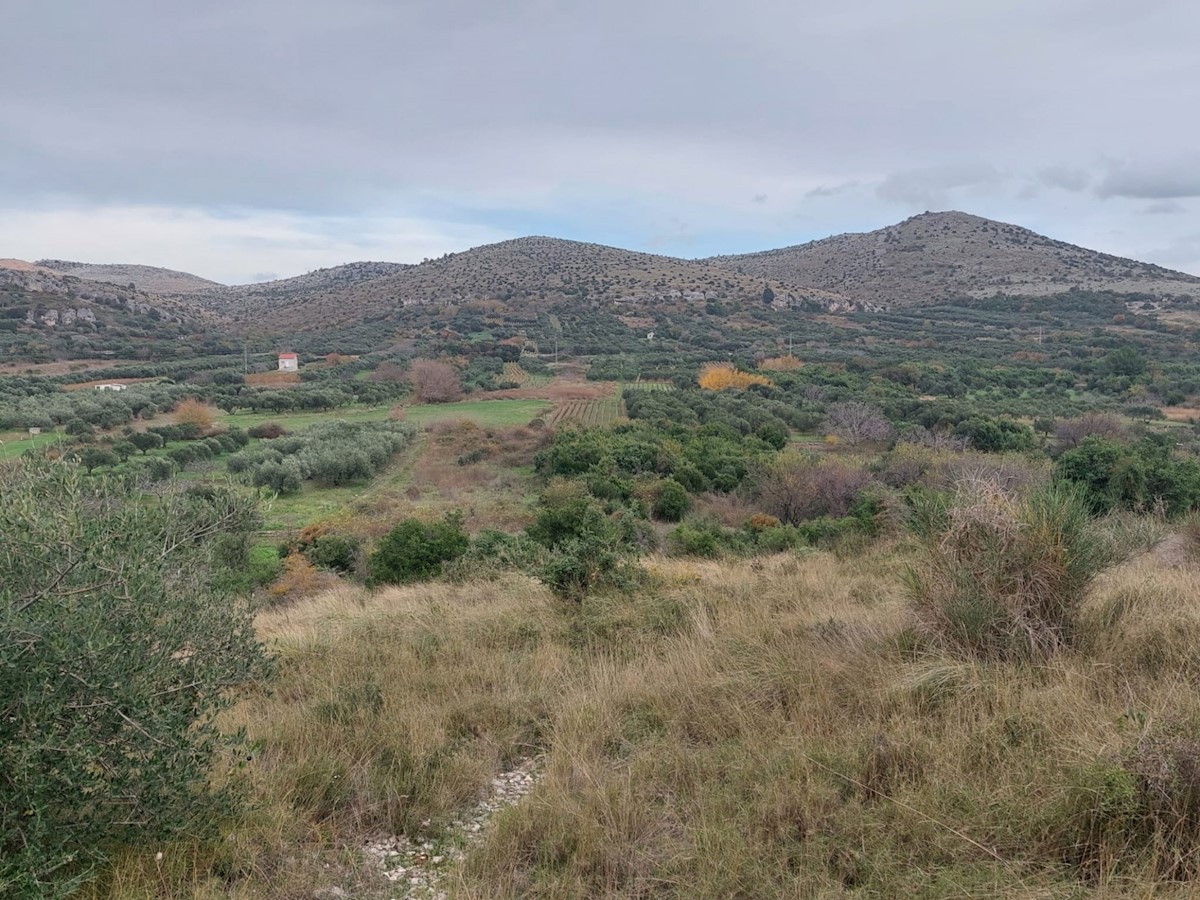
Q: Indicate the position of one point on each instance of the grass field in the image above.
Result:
(18, 443)
(498, 413)
(735, 729)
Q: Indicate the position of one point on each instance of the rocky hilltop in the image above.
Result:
(942, 255)
(148, 279)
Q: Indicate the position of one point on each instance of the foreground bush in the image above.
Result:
(1003, 577)
(118, 649)
(417, 551)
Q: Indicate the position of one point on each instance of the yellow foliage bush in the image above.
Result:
(722, 376)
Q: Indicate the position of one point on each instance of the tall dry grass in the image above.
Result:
(765, 728)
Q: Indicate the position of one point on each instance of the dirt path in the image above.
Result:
(420, 870)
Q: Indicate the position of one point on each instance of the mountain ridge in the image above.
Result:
(931, 257)
(940, 255)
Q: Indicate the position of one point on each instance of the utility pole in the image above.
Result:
(246, 337)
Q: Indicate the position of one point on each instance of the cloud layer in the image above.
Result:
(236, 138)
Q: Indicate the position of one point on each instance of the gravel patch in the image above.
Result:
(418, 869)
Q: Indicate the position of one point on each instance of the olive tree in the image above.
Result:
(119, 646)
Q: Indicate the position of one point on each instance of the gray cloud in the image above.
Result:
(933, 186)
(1068, 178)
(833, 190)
(466, 118)
(1153, 180)
(1164, 208)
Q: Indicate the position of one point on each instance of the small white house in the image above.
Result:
(34, 431)
(110, 387)
(288, 362)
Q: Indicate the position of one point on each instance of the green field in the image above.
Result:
(20, 443)
(485, 412)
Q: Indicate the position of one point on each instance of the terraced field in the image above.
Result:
(590, 413)
(515, 374)
(657, 386)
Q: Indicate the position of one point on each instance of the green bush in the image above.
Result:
(671, 501)
(586, 547)
(338, 552)
(118, 650)
(1114, 475)
(703, 539)
(1002, 577)
(417, 551)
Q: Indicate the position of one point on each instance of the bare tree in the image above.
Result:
(1071, 432)
(435, 382)
(854, 422)
(795, 488)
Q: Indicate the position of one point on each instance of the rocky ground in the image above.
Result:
(420, 869)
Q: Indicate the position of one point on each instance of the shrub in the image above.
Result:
(434, 381)
(586, 547)
(267, 431)
(78, 428)
(1143, 807)
(1005, 578)
(417, 551)
(698, 538)
(117, 653)
(797, 487)
(723, 376)
(338, 552)
(195, 413)
(671, 501)
(854, 422)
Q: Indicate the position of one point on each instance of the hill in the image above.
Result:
(346, 275)
(944, 255)
(46, 315)
(515, 271)
(150, 279)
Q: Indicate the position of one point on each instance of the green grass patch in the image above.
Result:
(13, 448)
(485, 412)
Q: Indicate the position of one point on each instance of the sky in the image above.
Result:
(250, 139)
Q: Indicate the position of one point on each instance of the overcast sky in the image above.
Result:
(246, 139)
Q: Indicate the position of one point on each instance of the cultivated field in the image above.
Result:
(590, 413)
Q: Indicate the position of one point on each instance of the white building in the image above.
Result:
(110, 387)
(288, 362)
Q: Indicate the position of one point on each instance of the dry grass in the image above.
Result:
(764, 728)
(273, 379)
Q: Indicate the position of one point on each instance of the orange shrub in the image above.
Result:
(299, 579)
(762, 521)
(194, 412)
(722, 376)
